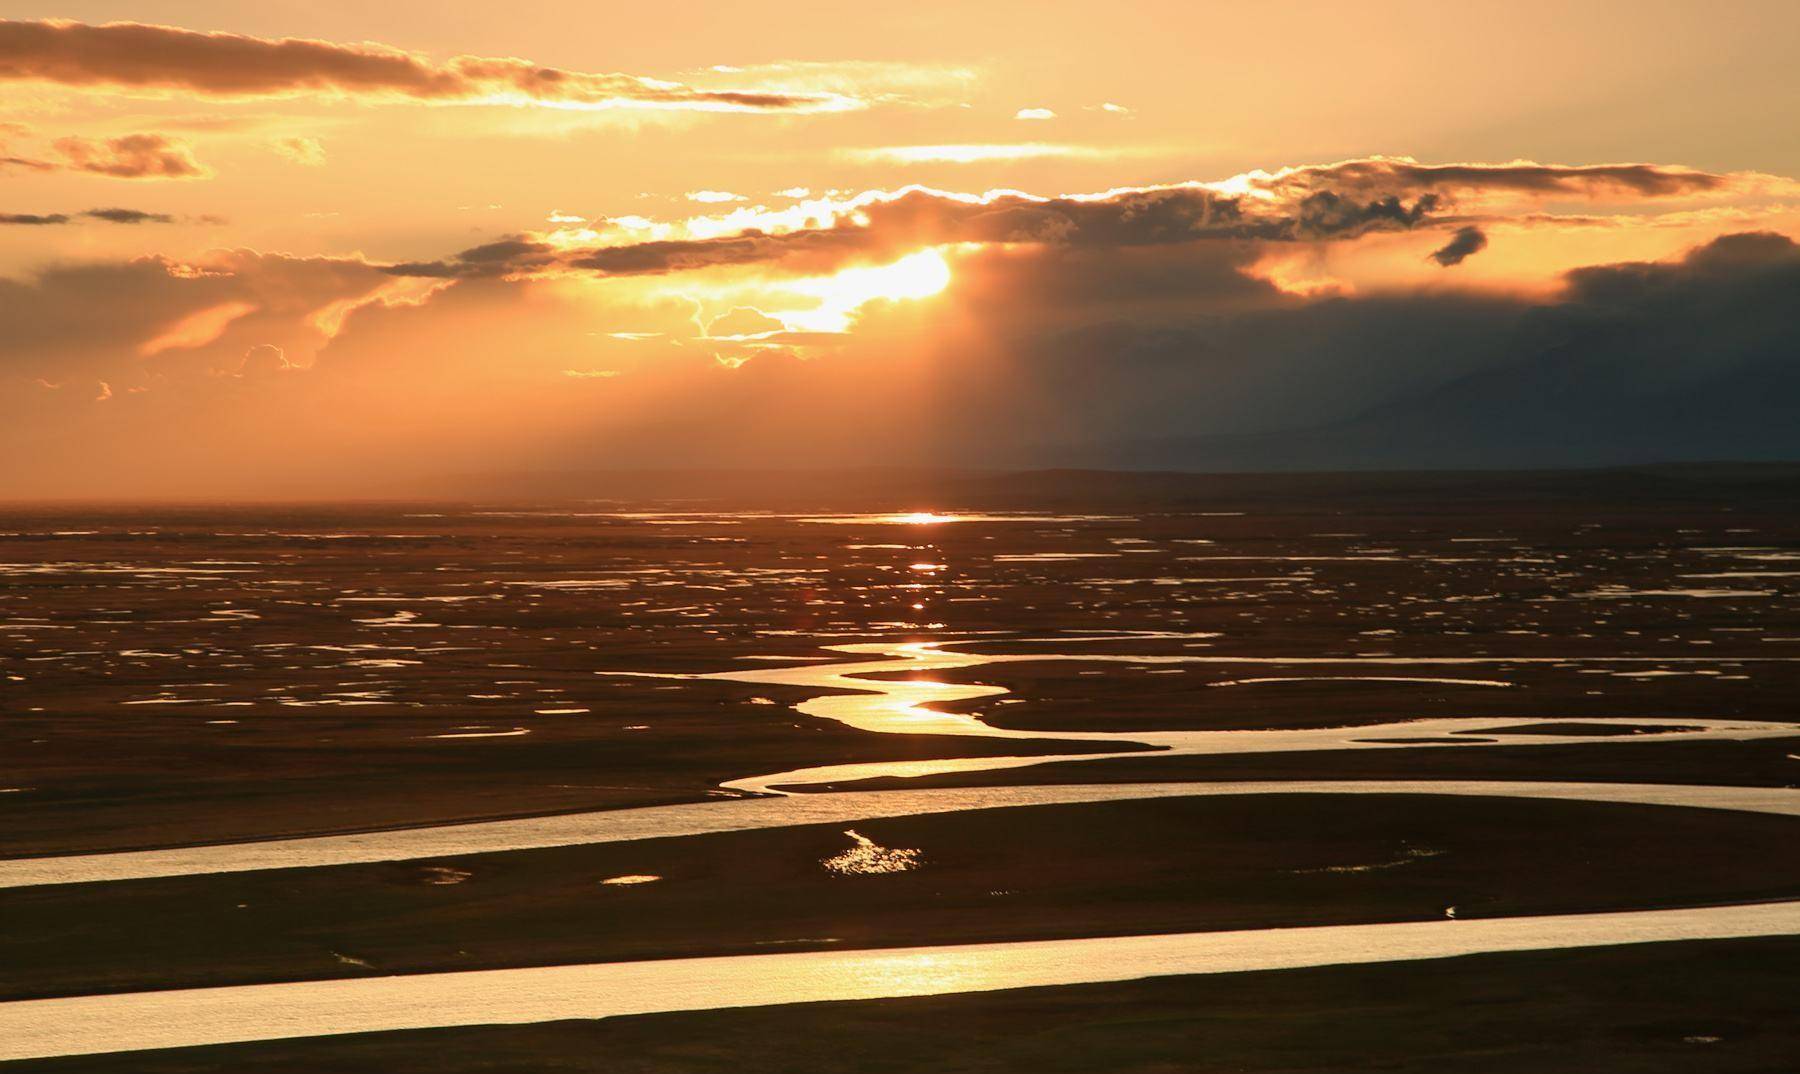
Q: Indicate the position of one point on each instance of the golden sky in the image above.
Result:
(332, 247)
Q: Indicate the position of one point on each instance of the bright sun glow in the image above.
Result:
(914, 276)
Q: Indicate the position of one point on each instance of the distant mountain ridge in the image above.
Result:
(920, 488)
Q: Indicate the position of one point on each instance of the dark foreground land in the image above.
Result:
(185, 675)
(1713, 1007)
(1163, 866)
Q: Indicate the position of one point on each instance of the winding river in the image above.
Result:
(861, 693)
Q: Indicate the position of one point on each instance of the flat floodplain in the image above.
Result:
(192, 676)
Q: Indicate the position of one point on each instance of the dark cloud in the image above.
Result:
(95, 319)
(1590, 180)
(812, 248)
(129, 216)
(111, 216)
(136, 56)
(1467, 242)
(511, 255)
(1139, 218)
(437, 270)
(1731, 260)
(1328, 214)
(1692, 359)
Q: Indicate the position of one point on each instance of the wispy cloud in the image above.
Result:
(971, 153)
(136, 57)
(110, 216)
(874, 81)
(131, 156)
(134, 156)
(307, 152)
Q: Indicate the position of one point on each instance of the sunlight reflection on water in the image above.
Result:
(869, 858)
(189, 1017)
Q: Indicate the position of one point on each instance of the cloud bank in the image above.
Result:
(1298, 205)
(1138, 327)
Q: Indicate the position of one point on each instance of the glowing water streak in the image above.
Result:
(185, 1018)
(846, 807)
(892, 705)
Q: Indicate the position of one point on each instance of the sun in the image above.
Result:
(917, 275)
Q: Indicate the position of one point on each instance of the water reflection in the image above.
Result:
(866, 695)
(869, 858)
(451, 841)
(936, 518)
(193, 1017)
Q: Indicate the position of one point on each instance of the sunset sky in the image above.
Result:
(334, 248)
